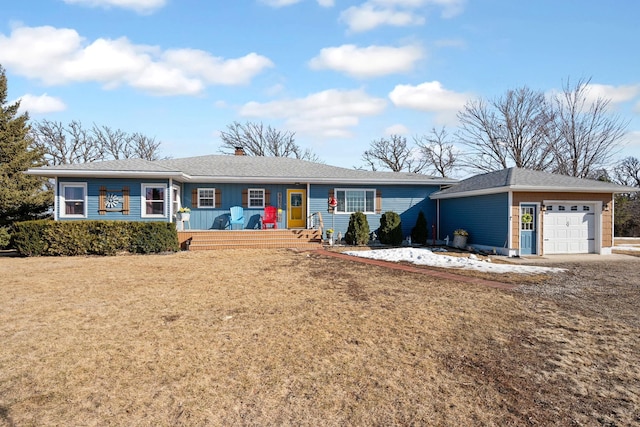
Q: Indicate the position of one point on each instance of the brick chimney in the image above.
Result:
(239, 151)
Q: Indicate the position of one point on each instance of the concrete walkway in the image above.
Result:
(426, 271)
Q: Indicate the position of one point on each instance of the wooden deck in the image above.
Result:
(202, 240)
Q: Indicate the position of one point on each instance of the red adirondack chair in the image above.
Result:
(270, 217)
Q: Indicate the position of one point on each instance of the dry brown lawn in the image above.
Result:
(250, 337)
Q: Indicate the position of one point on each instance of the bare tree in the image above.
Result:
(65, 144)
(627, 172)
(393, 154)
(438, 151)
(513, 130)
(588, 134)
(115, 144)
(144, 147)
(72, 143)
(257, 140)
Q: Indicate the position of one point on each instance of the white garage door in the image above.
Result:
(569, 229)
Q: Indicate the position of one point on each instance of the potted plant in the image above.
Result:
(460, 237)
(329, 233)
(184, 214)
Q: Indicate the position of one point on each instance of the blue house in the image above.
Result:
(141, 190)
(512, 211)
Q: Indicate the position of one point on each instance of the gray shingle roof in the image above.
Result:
(122, 165)
(519, 179)
(225, 168)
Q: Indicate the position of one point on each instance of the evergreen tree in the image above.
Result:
(420, 233)
(390, 231)
(22, 196)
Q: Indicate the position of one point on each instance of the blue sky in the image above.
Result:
(338, 73)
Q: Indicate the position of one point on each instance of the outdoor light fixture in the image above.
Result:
(605, 206)
(543, 208)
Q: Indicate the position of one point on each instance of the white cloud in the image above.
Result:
(617, 94)
(371, 61)
(398, 13)
(450, 8)
(40, 104)
(633, 139)
(329, 113)
(283, 3)
(367, 17)
(217, 70)
(430, 97)
(397, 129)
(280, 3)
(140, 6)
(60, 56)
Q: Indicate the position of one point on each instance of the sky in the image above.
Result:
(338, 73)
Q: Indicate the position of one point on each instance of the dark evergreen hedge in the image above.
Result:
(390, 232)
(68, 238)
(358, 230)
(420, 233)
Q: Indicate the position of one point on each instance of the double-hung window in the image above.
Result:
(354, 200)
(73, 200)
(256, 198)
(206, 197)
(153, 200)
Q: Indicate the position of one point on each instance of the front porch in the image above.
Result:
(200, 240)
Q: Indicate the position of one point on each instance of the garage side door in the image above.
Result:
(569, 229)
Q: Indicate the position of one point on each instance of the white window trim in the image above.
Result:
(214, 197)
(143, 200)
(373, 190)
(63, 204)
(264, 197)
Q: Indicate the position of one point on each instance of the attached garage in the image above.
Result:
(569, 228)
(520, 212)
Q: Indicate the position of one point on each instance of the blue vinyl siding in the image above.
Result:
(231, 195)
(407, 201)
(486, 218)
(135, 188)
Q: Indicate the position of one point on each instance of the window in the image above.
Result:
(350, 201)
(256, 198)
(73, 200)
(574, 208)
(561, 208)
(550, 208)
(206, 197)
(153, 200)
(586, 208)
(527, 219)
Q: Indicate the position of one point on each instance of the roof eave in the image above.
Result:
(530, 189)
(75, 173)
(314, 180)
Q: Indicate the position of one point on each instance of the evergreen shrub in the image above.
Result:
(358, 230)
(420, 233)
(390, 232)
(69, 238)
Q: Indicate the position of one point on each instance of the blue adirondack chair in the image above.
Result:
(237, 216)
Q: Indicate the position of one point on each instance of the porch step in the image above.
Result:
(201, 240)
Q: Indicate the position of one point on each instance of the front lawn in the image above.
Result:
(256, 337)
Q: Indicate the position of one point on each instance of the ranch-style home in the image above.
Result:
(512, 212)
(141, 190)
